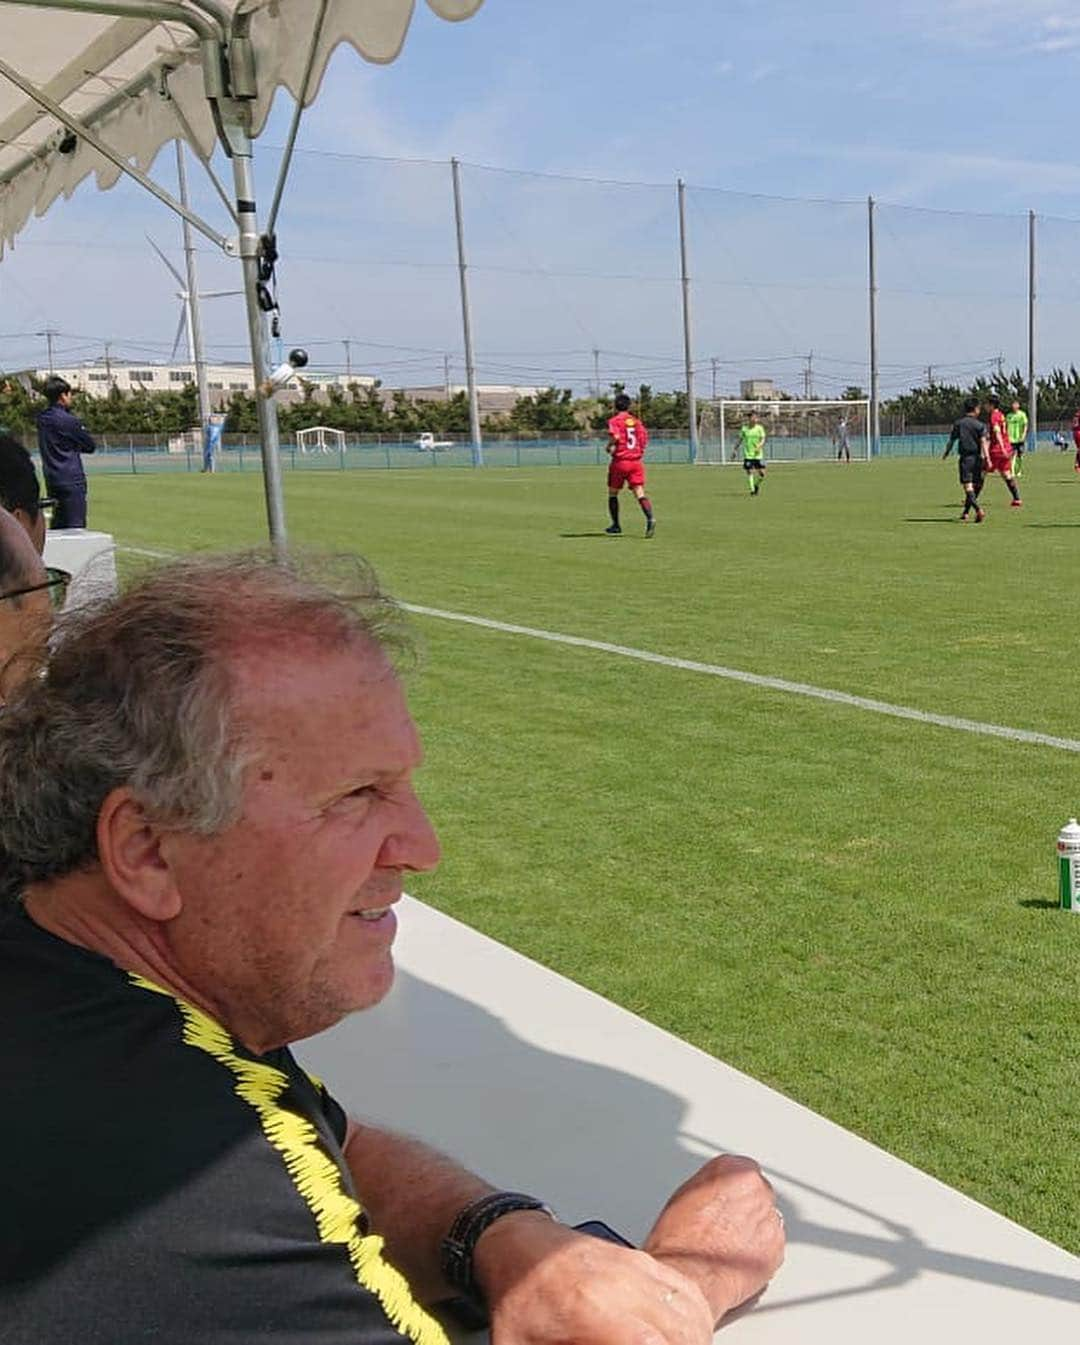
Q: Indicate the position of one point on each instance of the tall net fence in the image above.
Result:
(576, 284)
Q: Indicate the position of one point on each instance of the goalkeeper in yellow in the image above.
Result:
(752, 442)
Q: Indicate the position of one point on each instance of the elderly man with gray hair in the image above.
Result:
(206, 817)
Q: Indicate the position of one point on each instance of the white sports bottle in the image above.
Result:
(1068, 848)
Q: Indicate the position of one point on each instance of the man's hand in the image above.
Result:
(722, 1230)
(547, 1285)
(718, 1242)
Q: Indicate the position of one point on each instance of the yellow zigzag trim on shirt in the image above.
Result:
(314, 1173)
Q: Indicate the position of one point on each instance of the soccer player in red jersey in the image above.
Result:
(1001, 452)
(1076, 439)
(627, 440)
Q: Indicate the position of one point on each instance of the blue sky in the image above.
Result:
(949, 107)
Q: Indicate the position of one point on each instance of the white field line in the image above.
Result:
(757, 680)
(730, 674)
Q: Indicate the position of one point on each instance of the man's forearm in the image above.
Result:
(412, 1195)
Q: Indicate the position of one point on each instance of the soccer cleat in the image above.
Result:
(1016, 504)
(980, 514)
(965, 518)
(650, 527)
(614, 530)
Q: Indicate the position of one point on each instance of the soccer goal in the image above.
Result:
(795, 431)
(321, 439)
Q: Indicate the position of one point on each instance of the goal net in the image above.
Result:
(320, 439)
(189, 442)
(794, 430)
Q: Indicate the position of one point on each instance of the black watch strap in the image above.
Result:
(456, 1251)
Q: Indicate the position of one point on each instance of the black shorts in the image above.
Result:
(971, 471)
(752, 464)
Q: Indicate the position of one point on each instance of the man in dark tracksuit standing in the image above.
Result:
(62, 437)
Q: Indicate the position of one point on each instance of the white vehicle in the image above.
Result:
(427, 443)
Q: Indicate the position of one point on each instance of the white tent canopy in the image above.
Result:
(140, 82)
(99, 86)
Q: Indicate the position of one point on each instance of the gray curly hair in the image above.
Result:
(137, 690)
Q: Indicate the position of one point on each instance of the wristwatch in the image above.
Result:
(457, 1248)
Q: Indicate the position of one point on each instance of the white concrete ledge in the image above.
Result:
(543, 1086)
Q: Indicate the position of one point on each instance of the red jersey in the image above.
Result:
(630, 437)
(999, 434)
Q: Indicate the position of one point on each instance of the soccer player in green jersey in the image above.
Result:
(1016, 426)
(752, 439)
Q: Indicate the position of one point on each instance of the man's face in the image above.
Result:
(64, 399)
(24, 620)
(285, 925)
(1016, 406)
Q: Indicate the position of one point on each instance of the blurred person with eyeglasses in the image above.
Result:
(62, 439)
(28, 593)
(20, 492)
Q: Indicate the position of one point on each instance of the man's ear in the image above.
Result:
(131, 857)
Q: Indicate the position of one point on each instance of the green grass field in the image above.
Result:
(856, 909)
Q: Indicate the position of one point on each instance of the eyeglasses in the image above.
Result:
(57, 584)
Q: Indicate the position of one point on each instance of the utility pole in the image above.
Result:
(713, 363)
(688, 350)
(596, 371)
(446, 375)
(1000, 367)
(194, 313)
(1033, 392)
(347, 343)
(808, 378)
(466, 321)
(108, 361)
(49, 333)
(929, 375)
(875, 397)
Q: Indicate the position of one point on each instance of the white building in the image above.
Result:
(98, 378)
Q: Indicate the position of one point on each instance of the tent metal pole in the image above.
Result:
(298, 112)
(163, 11)
(244, 184)
(95, 142)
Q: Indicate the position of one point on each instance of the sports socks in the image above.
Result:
(751, 478)
(970, 503)
(646, 507)
(1013, 490)
(613, 509)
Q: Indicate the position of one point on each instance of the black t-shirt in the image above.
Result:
(968, 434)
(160, 1183)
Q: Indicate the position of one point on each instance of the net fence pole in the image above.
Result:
(875, 398)
(194, 303)
(466, 321)
(723, 436)
(691, 401)
(1033, 394)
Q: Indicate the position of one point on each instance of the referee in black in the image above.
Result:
(972, 442)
